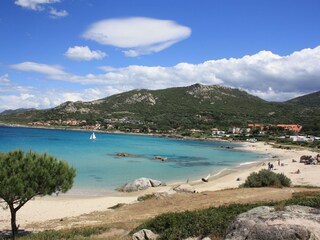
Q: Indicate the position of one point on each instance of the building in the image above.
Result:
(301, 139)
(290, 127)
(217, 132)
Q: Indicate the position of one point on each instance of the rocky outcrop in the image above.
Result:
(140, 184)
(308, 160)
(144, 234)
(160, 158)
(294, 222)
(140, 97)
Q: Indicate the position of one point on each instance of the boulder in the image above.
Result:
(144, 234)
(122, 154)
(306, 159)
(160, 158)
(184, 188)
(140, 184)
(156, 183)
(294, 222)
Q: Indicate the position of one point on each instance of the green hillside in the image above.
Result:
(309, 100)
(196, 106)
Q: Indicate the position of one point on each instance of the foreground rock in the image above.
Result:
(295, 222)
(145, 234)
(140, 184)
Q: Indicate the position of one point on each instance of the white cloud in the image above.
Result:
(137, 35)
(42, 5)
(4, 80)
(83, 53)
(29, 97)
(51, 70)
(58, 13)
(37, 5)
(270, 76)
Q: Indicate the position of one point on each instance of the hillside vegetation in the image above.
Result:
(196, 106)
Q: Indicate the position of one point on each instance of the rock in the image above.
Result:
(122, 154)
(160, 158)
(295, 222)
(184, 188)
(144, 234)
(156, 183)
(140, 184)
(306, 159)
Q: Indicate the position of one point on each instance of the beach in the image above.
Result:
(42, 209)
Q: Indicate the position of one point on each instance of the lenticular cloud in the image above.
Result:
(137, 36)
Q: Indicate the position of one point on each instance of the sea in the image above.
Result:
(100, 171)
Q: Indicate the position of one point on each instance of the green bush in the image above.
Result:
(67, 234)
(266, 178)
(213, 221)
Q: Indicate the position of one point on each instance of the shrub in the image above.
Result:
(265, 178)
(213, 221)
(145, 197)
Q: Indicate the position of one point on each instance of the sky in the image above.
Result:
(52, 51)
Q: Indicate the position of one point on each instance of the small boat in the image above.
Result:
(93, 136)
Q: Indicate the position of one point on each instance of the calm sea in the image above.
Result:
(100, 171)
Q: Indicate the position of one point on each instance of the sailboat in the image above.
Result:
(93, 136)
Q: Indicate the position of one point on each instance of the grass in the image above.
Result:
(145, 197)
(211, 222)
(67, 234)
(214, 221)
(119, 205)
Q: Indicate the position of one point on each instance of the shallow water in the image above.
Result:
(100, 171)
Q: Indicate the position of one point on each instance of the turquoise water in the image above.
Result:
(99, 170)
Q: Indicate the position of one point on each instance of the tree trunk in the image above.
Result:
(13, 221)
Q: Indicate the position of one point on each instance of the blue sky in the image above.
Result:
(52, 51)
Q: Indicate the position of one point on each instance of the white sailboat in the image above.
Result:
(93, 136)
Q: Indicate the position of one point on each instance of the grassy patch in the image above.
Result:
(119, 205)
(214, 221)
(70, 234)
(145, 197)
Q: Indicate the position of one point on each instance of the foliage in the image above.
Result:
(68, 234)
(213, 221)
(119, 205)
(146, 197)
(265, 178)
(26, 175)
(183, 108)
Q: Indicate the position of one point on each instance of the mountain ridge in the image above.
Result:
(195, 106)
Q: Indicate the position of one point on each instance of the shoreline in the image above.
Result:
(47, 208)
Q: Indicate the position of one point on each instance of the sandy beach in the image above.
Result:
(42, 209)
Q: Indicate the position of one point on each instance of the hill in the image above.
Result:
(309, 100)
(15, 111)
(196, 106)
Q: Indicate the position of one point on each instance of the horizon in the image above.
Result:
(58, 51)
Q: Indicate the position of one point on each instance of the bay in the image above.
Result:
(99, 170)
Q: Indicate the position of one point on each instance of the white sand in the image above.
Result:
(48, 208)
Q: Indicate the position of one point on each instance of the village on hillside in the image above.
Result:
(292, 132)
